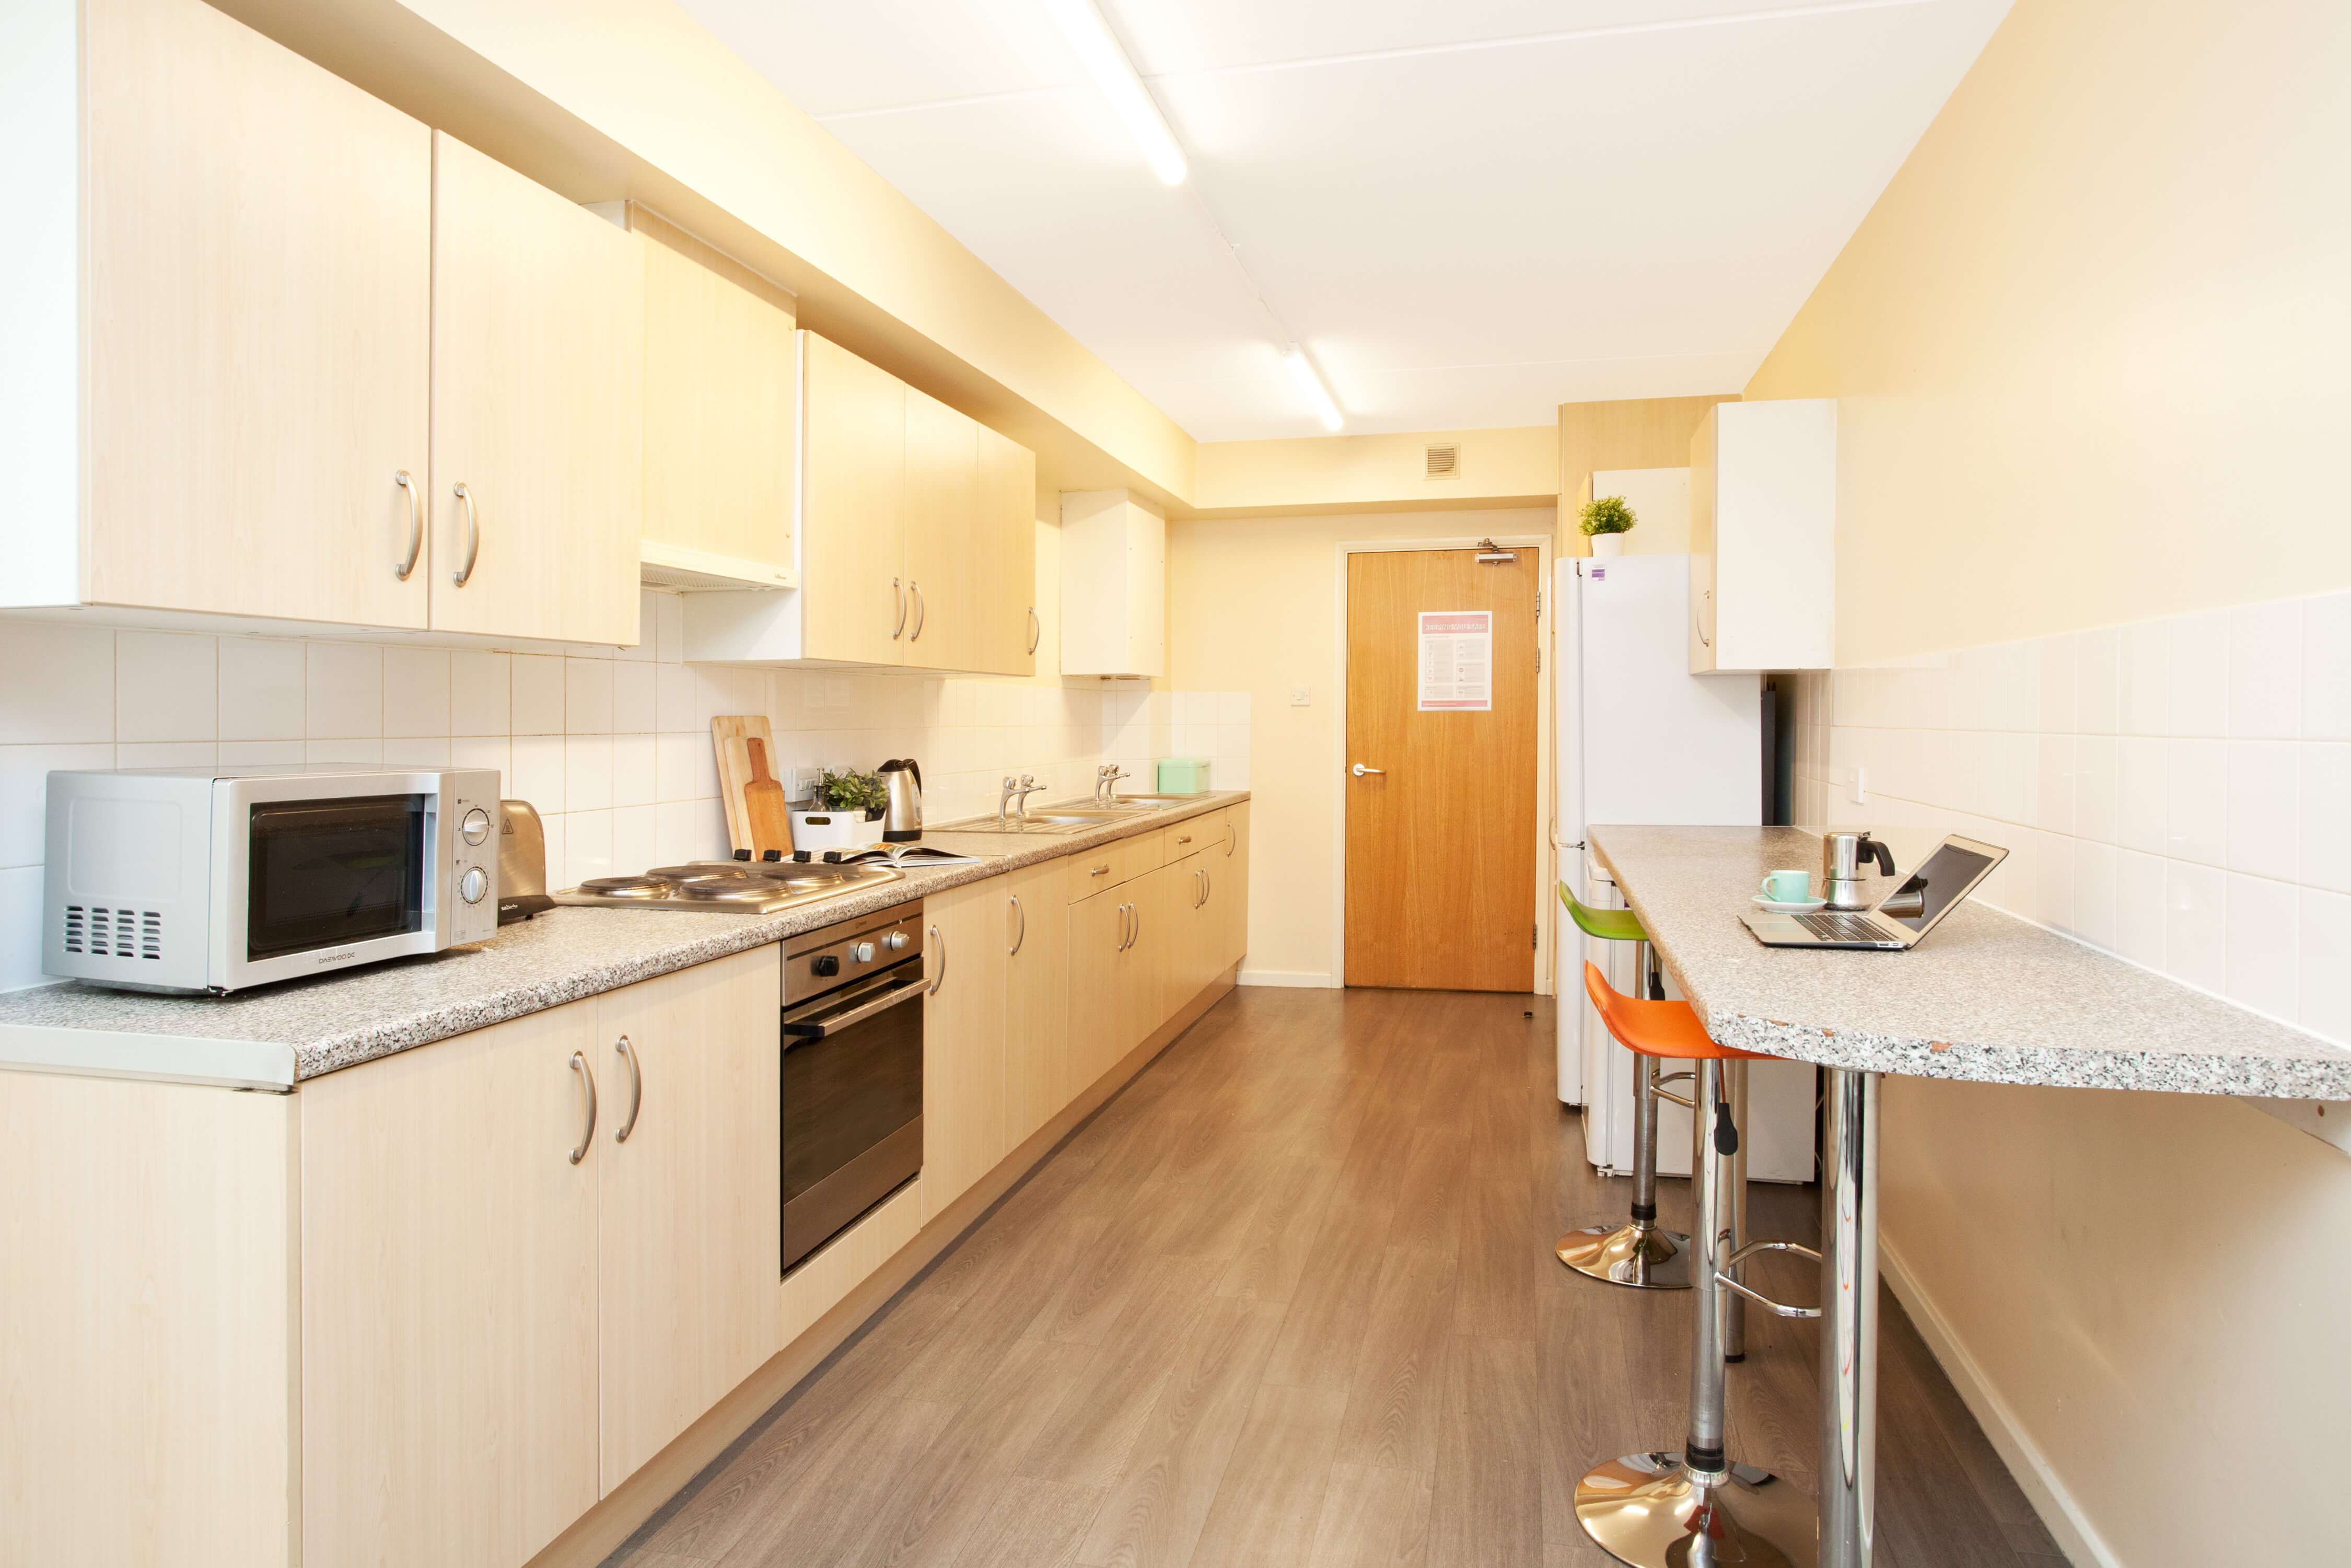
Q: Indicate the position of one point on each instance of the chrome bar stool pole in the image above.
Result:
(1849, 1321)
(1734, 1306)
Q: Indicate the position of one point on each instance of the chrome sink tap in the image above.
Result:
(1106, 777)
(1018, 789)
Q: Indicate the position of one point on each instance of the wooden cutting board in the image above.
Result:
(751, 784)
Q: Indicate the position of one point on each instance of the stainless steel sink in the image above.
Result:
(1038, 822)
(1122, 805)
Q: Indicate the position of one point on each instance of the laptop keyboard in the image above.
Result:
(1841, 928)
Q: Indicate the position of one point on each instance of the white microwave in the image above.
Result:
(212, 879)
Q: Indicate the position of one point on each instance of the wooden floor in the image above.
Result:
(1290, 1300)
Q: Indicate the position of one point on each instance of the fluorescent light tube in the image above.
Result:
(1303, 369)
(1091, 36)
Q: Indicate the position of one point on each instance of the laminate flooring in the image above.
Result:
(1289, 1298)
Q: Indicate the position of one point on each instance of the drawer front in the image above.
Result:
(1115, 863)
(1193, 835)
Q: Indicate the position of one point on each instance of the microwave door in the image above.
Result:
(326, 875)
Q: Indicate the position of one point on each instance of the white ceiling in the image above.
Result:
(1469, 212)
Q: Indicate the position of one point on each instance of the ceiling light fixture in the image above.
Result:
(1308, 378)
(1098, 47)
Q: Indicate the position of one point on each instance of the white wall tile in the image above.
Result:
(634, 689)
(2195, 925)
(669, 628)
(481, 693)
(2325, 860)
(166, 686)
(2059, 664)
(2265, 671)
(2199, 656)
(685, 766)
(539, 772)
(537, 695)
(264, 689)
(487, 751)
(588, 845)
(587, 772)
(2094, 788)
(2196, 806)
(417, 751)
(2094, 870)
(553, 829)
(24, 794)
(636, 839)
(2139, 911)
(20, 928)
(675, 689)
(260, 753)
(2141, 773)
(587, 696)
(2264, 789)
(2098, 684)
(366, 749)
(2326, 667)
(416, 686)
(60, 688)
(2262, 945)
(346, 692)
(167, 754)
(2323, 969)
(634, 768)
(2144, 684)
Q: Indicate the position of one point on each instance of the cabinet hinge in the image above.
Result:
(1538, 604)
(1536, 941)
(1539, 661)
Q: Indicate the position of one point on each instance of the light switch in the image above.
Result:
(1861, 785)
(1299, 696)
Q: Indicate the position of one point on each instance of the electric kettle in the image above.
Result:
(902, 784)
(1842, 858)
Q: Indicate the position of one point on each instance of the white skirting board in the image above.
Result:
(2074, 1534)
(1301, 979)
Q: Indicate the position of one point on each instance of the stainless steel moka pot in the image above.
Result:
(1843, 855)
(902, 783)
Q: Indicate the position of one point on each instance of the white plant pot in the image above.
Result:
(1608, 544)
(834, 830)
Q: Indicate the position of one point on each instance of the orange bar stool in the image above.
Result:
(1665, 1510)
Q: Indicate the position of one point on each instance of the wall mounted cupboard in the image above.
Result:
(1763, 561)
(916, 537)
(1113, 585)
(257, 322)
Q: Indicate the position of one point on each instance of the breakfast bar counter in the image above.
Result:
(1986, 997)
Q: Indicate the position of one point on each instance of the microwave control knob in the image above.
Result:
(473, 885)
(897, 941)
(862, 952)
(477, 826)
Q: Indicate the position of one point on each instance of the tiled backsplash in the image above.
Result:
(612, 745)
(2175, 791)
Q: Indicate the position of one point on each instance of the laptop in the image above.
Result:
(1901, 919)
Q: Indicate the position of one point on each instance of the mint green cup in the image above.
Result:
(1788, 886)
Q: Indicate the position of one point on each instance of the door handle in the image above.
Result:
(898, 590)
(1359, 770)
(1035, 629)
(473, 533)
(1021, 940)
(940, 943)
(415, 523)
(628, 1053)
(588, 1088)
(915, 589)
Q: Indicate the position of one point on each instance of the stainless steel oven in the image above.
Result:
(852, 1078)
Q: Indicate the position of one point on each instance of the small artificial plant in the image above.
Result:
(850, 792)
(1606, 515)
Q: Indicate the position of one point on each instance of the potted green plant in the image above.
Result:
(1605, 520)
(844, 812)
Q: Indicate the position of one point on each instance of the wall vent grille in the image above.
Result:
(102, 933)
(1445, 462)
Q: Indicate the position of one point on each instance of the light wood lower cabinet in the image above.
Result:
(963, 1040)
(690, 1242)
(1097, 1013)
(1039, 1074)
(449, 1298)
(1228, 874)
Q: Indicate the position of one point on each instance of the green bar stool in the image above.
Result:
(1636, 1253)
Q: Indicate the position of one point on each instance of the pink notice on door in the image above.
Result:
(1456, 661)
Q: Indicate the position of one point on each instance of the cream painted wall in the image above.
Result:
(1252, 606)
(1505, 467)
(2090, 348)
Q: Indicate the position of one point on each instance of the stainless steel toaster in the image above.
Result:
(522, 863)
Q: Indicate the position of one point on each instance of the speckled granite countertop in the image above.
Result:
(1986, 997)
(274, 1036)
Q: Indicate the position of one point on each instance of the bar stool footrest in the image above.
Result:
(1780, 1308)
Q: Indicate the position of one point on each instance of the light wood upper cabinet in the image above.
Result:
(256, 287)
(1008, 625)
(1762, 561)
(537, 408)
(1113, 585)
(852, 598)
(449, 1297)
(722, 411)
(691, 1244)
(964, 1128)
(1039, 1076)
(945, 544)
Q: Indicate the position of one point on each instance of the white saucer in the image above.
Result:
(1797, 906)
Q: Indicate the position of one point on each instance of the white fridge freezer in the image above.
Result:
(1641, 740)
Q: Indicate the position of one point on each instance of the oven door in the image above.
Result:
(853, 1102)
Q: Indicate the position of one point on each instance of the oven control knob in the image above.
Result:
(477, 826)
(473, 885)
(862, 952)
(826, 967)
(897, 941)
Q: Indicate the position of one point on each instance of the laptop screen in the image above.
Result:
(1940, 882)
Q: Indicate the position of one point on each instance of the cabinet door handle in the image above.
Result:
(415, 523)
(939, 944)
(1232, 838)
(1199, 889)
(1134, 912)
(1184, 839)
(916, 590)
(1102, 870)
(1018, 908)
(898, 590)
(1035, 629)
(1211, 882)
(628, 1053)
(588, 1088)
(473, 533)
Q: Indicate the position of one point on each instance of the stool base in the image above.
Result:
(1641, 1256)
(1647, 1509)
